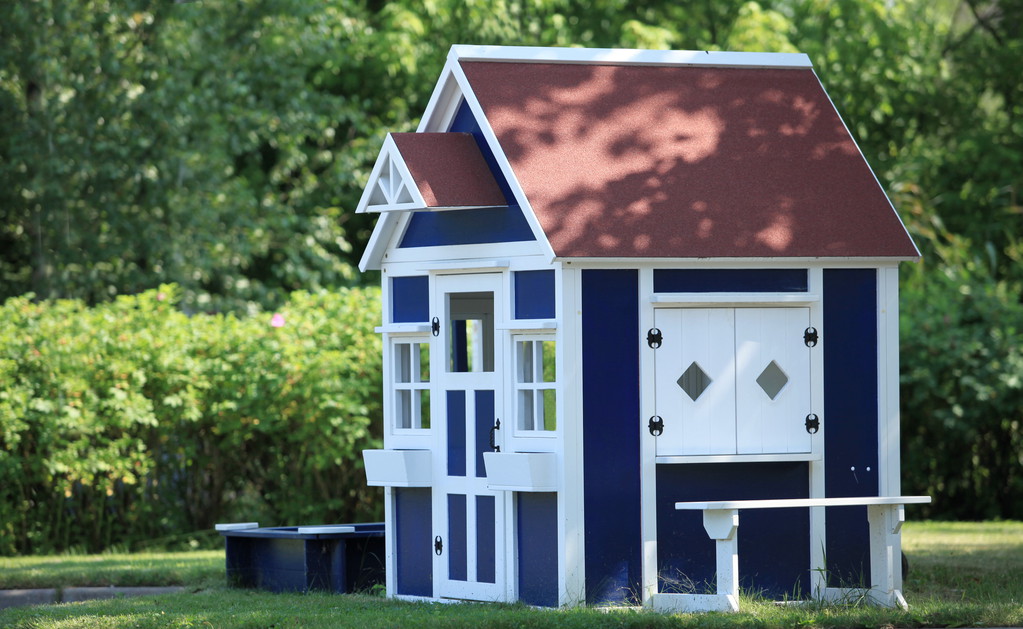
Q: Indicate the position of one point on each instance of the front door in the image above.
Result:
(732, 381)
(466, 360)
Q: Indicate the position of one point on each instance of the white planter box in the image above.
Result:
(521, 471)
(397, 468)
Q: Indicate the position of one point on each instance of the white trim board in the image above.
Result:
(623, 56)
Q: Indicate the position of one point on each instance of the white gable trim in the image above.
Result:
(621, 56)
(391, 186)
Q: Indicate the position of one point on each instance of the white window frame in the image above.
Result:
(537, 385)
(413, 385)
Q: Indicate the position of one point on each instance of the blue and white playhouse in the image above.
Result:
(630, 297)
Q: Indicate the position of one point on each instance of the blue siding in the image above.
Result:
(730, 280)
(413, 522)
(484, 422)
(611, 424)
(467, 227)
(486, 539)
(850, 410)
(534, 294)
(456, 433)
(457, 545)
(537, 519)
(410, 299)
(769, 559)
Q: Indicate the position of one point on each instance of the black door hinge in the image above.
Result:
(656, 426)
(813, 424)
(810, 336)
(438, 545)
(654, 338)
(435, 326)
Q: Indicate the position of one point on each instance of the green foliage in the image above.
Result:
(131, 421)
(962, 392)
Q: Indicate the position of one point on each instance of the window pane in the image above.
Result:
(403, 409)
(525, 361)
(424, 408)
(402, 363)
(424, 362)
(549, 366)
(527, 420)
(550, 417)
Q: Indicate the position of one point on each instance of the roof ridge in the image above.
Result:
(625, 56)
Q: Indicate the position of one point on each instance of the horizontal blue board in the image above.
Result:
(534, 294)
(410, 299)
(730, 280)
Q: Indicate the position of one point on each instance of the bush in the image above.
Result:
(132, 421)
(962, 393)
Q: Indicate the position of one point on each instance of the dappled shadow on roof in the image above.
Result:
(644, 161)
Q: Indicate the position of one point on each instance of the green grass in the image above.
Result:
(195, 568)
(962, 574)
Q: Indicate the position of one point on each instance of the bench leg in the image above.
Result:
(885, 523)
(722, 526)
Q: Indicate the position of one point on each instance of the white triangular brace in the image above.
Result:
(390, 187)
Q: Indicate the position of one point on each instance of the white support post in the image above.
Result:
(722, 525)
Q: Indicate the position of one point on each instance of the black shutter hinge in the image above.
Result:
(438, 545)
(813, 424)
(656, 426)
(810, 336)
(435, 326)
(654, 338)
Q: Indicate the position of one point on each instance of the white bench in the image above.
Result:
(885, 516)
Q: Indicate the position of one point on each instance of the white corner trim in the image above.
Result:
(623, 56)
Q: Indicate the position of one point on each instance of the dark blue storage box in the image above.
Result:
(338, 558)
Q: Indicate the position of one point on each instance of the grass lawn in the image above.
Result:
(962, 574)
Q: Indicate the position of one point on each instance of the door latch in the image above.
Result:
(438, 545)
(654, 338)
(813, 424)
(810, 336)
(493, 442)
(656, 425)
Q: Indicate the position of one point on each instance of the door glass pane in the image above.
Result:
(470, 332)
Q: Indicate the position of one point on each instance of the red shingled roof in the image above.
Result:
(660, 161)
(449, 169)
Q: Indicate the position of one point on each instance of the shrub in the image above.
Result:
(132, 421)
(962, 394)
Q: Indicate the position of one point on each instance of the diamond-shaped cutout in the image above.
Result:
(694, 381)
(772, 380)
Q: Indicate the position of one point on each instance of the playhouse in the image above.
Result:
(630, 297)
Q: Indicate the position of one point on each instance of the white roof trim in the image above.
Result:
(391, 186)
(622, 56)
